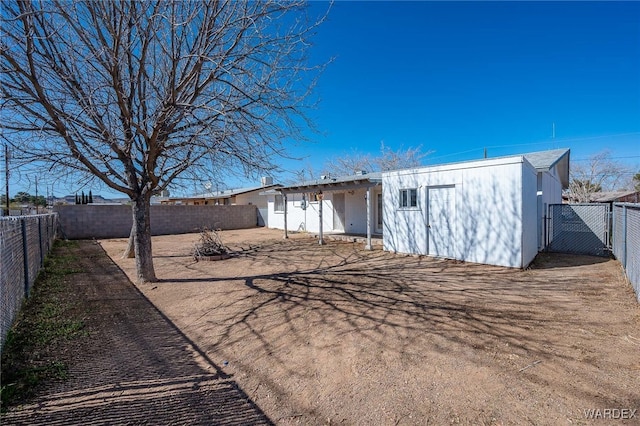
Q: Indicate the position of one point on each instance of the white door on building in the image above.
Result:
(338, 212)
(378, 214)
(440, 221)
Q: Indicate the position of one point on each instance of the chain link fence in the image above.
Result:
(24, 243)
(579, 229)
(626, 241)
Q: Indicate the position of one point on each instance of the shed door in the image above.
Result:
(338, 212)
(440, 221)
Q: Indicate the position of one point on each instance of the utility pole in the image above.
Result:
(6, 176)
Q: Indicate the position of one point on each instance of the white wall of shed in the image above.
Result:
(532, 223)
(550, 192)
(488, 202)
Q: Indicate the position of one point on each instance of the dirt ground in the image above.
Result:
(129, 366)
(336, 334)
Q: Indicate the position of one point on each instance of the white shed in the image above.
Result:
(488, 211)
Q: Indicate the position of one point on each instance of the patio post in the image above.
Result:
(368, 246)
(284, 198)
(320, 235)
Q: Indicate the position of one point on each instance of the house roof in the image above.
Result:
(543, 161)
(608, 197)
(227, 193)
(335, 183)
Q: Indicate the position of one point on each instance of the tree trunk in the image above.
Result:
(130, 252)
(142, 232)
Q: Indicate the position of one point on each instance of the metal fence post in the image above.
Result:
(624, 237)
(40, 241)
(25, 256)
(47, 228)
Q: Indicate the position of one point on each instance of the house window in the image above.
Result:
(278, 206)
(408, 198)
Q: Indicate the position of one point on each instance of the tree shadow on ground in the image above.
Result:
(135, 366)
(477, 313)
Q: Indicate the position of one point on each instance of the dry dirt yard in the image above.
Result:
(336, 334)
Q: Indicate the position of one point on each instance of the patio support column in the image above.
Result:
(320, 235)
(284, 198)
(368, 246)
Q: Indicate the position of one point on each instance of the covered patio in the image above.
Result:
(349, 207)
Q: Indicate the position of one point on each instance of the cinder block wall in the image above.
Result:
(114, 221)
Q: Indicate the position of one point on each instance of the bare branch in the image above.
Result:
(388, 159)
(136, 94)
(600, 173)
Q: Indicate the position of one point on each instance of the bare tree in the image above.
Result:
(599, 173)
(388, 159)
(141, 94)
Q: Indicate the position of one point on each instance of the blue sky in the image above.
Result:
(458, 77)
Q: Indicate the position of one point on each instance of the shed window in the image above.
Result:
(408, 198)
(279, 204)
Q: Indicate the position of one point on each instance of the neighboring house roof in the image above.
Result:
(543, 161)
(227, 193)
(332, 183)
(612, 196)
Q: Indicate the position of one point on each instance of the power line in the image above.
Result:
(608, 158)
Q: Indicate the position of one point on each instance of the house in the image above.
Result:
(488, 211)
(239, 196)
(347, 204)
(615, 197)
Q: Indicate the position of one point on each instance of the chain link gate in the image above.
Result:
(579, 229)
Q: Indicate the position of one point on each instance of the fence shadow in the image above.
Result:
(552, 260)
(135, 366)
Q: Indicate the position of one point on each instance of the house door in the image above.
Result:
(440, 221)
(338, 212)
(378, 215)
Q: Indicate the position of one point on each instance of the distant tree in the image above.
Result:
(636, 181)
(600, 173)
(90, 197)
(22, 197)
(40, 200)
(388, 159)
(140, 94)
(581, 190)
(3, 203)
